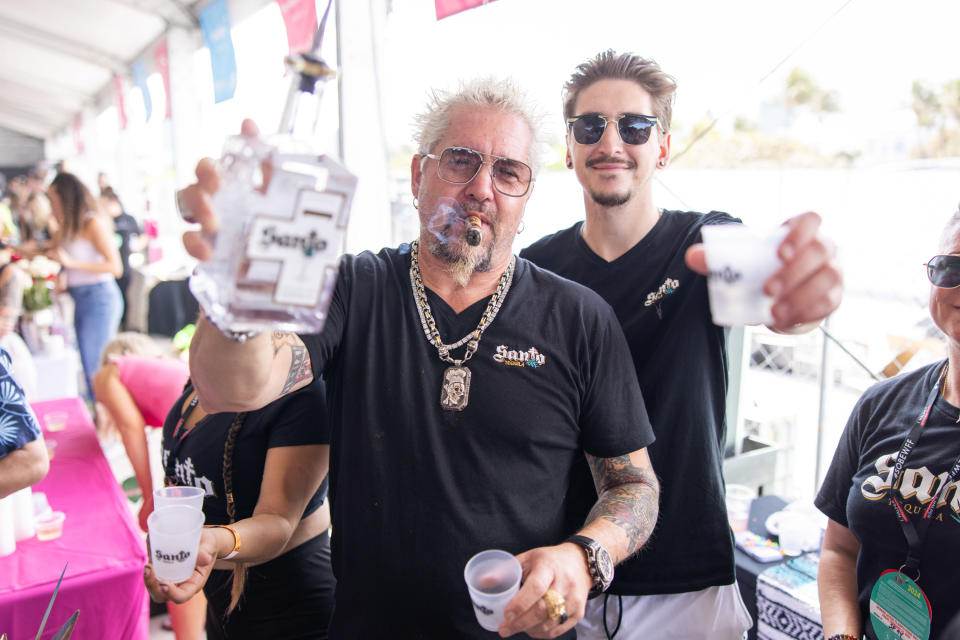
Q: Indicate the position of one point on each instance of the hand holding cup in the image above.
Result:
(807, 287)
(180, 592)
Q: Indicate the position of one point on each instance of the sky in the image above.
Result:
(869, 51)
(728, 58)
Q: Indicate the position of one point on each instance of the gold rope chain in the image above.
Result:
(429, 325)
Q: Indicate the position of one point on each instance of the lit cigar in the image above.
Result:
(474, 233)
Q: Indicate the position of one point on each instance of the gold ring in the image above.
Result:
(556, 605)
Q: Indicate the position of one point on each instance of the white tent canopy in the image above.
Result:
(58, 57)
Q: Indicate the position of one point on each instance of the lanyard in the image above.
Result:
(916, 533)
(178, 436)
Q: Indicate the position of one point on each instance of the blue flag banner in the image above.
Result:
(139, 72)
(215, 22)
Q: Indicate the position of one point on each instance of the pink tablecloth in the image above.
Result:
(100, 541)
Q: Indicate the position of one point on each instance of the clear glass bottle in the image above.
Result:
(283, 210)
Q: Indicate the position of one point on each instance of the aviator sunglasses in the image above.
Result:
(459, 165)
(633, 128)
(944, 271)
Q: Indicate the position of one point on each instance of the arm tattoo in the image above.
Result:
(299, 367)
(628, 498)
(277, 339)
(299, 359)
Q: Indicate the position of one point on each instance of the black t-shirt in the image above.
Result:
(196, 460)
(855, 490)
(125, 226)
(416, 489)
(681, 362)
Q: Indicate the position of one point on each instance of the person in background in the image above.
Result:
(41, 221)
(264, 564)
(891, 493)
(84, 246)
(634, 254)
(427, 471)
(138, 385)
(9, 231)
(127, 231)
(23, 456)
(12, 284)
(15, 196)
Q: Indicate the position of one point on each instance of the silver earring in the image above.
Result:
(662, 163)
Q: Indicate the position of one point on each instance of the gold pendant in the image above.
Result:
(456, 388)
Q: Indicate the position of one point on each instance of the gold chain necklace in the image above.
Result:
(455, 392)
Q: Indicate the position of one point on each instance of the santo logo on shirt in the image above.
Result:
(186, 475)
(919, 484)
(515, 358)
(654, 297)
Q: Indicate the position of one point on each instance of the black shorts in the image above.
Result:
(289, 597)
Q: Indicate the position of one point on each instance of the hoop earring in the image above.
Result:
(521, 227)
(416, 203)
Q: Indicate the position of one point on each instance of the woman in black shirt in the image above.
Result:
(267, 572)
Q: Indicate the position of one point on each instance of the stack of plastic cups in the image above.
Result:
(175, 526)
(8, 541)
(23, 523)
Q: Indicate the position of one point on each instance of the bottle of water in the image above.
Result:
(283, 210)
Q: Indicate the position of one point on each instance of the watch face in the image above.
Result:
(604, 566)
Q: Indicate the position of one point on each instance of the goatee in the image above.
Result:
(611, 199)
(462, 260)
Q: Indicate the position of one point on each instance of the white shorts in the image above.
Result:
(715, 613)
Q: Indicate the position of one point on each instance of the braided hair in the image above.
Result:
(239, 568)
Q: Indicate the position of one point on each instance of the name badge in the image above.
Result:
(899, 609)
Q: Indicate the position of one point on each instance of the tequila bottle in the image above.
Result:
(283, 212)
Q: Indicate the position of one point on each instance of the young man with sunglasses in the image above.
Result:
(641, 259)
(442, 448)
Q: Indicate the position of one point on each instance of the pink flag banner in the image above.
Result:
(118, 98)
(449, 7)
(300, 19)
(161, 61)
(78, 133)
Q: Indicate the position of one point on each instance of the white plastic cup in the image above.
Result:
(794, 532)
(174, 540)
(185, 496)
(738, 499)
(23, 525)
(50, 525)
(739, 260)
(40, 505)
(8, 542)
(55, 420)
(493, 577)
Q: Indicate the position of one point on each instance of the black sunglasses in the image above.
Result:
(944, 271)
(633, 128)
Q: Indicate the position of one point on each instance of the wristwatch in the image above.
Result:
(598, 562)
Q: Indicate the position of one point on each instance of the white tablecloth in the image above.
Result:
(58, 375)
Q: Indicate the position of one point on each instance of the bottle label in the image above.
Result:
(297, 254)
